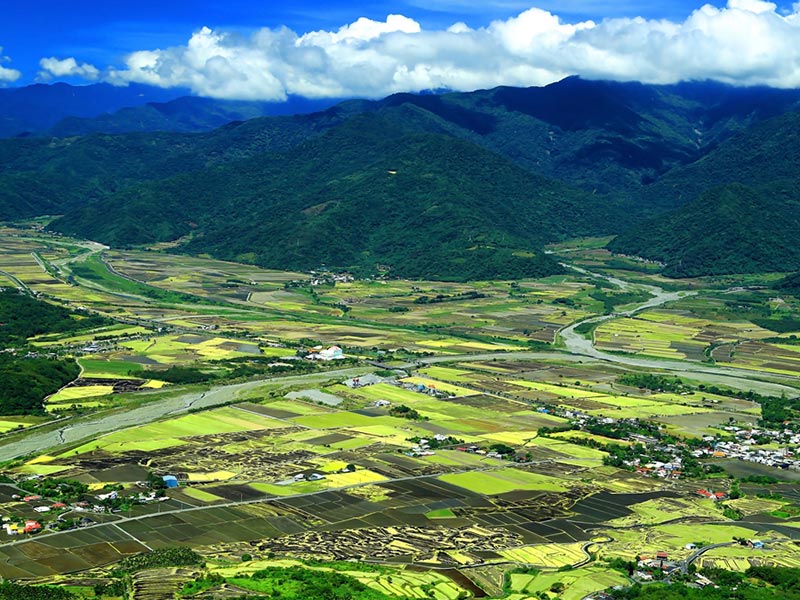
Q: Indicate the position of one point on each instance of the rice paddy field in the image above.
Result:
(577, 584)
(285, 474)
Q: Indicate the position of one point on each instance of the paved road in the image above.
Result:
(102, 423)
(700, 551)
(17, 282)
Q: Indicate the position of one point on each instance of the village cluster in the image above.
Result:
(742, 447)
(61, 515)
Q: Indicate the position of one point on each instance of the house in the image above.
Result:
(661, 555)
(315, 477)
(703, 581)
(170, 480)
(41, 509)
(332, 353)
(31, 498)
(709, 494)
(58, 505)
(32, 527)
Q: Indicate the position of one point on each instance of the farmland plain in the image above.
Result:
(451, 464)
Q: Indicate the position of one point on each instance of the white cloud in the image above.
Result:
(7, 75)
(745, 42)
(67, 67)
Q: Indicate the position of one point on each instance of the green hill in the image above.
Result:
(739, 207)
(790, 284)
(363, 194)
(483, 179)
(757, 156)
(728, 229)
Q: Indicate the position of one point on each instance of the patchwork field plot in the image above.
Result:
(759, 356)
(440, 472)
(506, 480)
(784, 554)
(548, 556)
(672, 334)
(577, 584)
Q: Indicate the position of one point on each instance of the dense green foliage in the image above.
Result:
(302, 584)
(25, 382)
(364, 194)
(16, 591)
(176, 374)
(179, 556)
(611, 301)
(729, 229)
(457, 186)
(651, 381)
(739, 212)
(23, 316)
(404, 412)
(63, 490)
(757, 583)
(780, 325)
(777, 411)
(791, 284)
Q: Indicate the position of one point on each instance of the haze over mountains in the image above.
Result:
(700, 176)
(65, 110)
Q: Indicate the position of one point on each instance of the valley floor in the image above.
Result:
(495, 439)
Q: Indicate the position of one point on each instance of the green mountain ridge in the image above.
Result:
(739, 207)
(728, 229)
(368, 192)
(482, 180)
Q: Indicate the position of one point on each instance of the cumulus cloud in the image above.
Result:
(67, 67)
(745, 42)
(7, 75)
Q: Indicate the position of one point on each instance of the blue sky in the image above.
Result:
(90, 40)
(102, 32)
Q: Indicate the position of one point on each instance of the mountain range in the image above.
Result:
(700, 176)
(64, 110)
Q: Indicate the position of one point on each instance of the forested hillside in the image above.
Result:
(22, 316)
(363, 194)
(739, 207)
(479, 181)
(729, 229)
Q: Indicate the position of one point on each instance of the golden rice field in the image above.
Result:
(546, 556)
